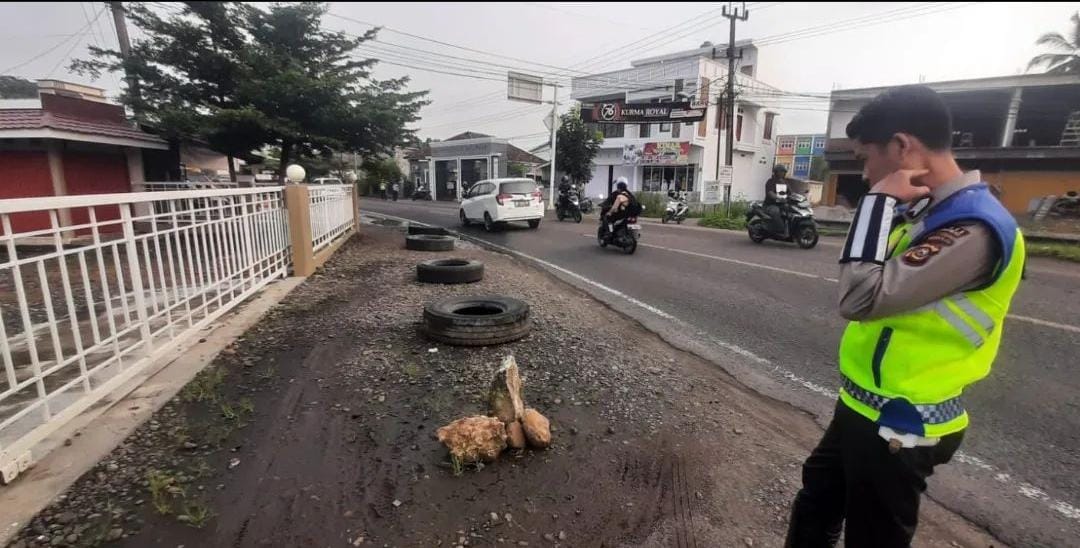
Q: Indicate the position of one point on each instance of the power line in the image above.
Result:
(50, 50)
(899, 14)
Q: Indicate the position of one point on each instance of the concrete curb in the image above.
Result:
(97, 432)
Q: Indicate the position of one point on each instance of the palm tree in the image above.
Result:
(1066, 59)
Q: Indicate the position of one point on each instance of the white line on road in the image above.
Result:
(1015, 317)
(1023, 488)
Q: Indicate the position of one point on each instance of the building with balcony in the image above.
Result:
(1022, 132)
(680, 156)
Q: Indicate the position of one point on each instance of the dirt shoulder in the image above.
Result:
(317, 429)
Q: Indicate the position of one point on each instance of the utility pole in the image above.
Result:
(554, 130)
(733, 15)
(125, 54)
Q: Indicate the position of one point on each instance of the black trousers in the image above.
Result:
(851, 478)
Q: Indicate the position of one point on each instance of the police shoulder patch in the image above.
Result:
(932, 244)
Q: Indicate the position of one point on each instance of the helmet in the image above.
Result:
(779, 168)
(565, 179)
(620, 183)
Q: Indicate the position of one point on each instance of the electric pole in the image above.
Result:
(125, 54)
(733, 15)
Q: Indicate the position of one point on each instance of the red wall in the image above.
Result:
(96, 173)
(25, 175)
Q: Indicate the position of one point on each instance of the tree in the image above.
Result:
(819, 169)
(243, 77)
(1066, 56)
(576, 146)
(517, 169)
(380, 170)
(13, 87)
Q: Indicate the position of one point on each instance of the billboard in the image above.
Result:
(524, 87)
(643, 113)
(668, 153)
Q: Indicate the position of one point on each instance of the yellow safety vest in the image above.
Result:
(907, 371)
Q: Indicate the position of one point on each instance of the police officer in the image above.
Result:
(930, 266)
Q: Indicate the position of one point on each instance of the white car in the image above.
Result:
(498, 201)
(327, 181)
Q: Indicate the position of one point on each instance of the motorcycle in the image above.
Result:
(624, 235)
(421, 193)
(585, 205)
(797, 216)
(568, 206)
(676, 209)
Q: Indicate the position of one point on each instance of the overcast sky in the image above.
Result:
(876, 44)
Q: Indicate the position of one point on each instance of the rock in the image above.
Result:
(114, 534)
(234, 463)
(549, 537)
(18, 544)
(504, 398)
(474, 439)
(562, 535)
(66, 517)
(72, 538)
(611, 430)
(748, 541)
(516, 435)
(397, 503)
(494, 517)
(537, 429)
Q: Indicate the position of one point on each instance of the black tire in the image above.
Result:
(679, 221)
(559, 214)
(600, 237)
(450, 271)
(464, 220)
(577, 216)
(430, 230)
(477, 321)
(756, 231)
(489, 224)
(807, 236)
(429, 242)
(630, 249)
(664, 219)
(534, 223)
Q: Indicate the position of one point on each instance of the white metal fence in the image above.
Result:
(331, 213)
(112, 279)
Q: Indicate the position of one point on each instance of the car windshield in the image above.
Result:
(518, 187)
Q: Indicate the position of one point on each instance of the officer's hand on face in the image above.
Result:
(898, 185)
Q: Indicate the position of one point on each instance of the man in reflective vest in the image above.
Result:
(930, 266)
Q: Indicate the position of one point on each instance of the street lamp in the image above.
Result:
(295, 174)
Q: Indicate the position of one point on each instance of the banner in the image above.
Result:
(643, 113)
(631, 154)
(668, 153)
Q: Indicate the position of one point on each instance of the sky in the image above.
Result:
(816, 47)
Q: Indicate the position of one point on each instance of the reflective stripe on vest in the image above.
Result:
(936, 413)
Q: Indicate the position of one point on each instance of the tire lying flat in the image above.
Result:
(477, 320)
(429, 242)
(450, 271)
(431, 230)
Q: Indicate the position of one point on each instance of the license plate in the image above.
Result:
(521, 203)
(634, 227)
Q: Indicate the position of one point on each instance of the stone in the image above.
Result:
(504, 399)
(474, 439)
(114, 534)
(515, 435)
(748, 541)
(537, 429)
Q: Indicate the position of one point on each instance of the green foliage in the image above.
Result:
(205, 385)
(517, 169)
(819, 169)
(1064, 57)
(13, 87)
(1065, 252)
(730, 218)
(654, 203)
(576, 147)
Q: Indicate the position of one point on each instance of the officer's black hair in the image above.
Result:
(915, 110)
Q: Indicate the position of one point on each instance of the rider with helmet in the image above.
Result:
(773, 200)
(614, 208)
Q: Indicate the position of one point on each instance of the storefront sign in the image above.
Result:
(715, 192)
(631, 154)
(644, 113)
(669, 153)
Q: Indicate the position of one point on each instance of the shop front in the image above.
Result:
(458, 163)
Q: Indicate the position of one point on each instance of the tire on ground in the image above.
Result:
(450, 271)
(477, 320)
(429, 242)
(432, 230)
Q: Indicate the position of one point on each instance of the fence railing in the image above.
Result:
(331, 213)
(110, 280)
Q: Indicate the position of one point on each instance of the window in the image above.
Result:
(664, 128)
(738, 125)
(769, 119)
(644, 130)
(676, 130)
(609, 131)
(665, 178)
(518, 187)
(787, 145)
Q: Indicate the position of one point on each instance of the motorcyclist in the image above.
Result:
(773, 200)
(564, 190)
(616, 205)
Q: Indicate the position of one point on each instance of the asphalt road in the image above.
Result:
(767, 314)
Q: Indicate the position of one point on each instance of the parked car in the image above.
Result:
(327, 181)
(498, 201)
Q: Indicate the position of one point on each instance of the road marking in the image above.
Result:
(1023, 488)
(1016, 317)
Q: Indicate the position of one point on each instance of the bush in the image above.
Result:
(719, 220)
(654, 203)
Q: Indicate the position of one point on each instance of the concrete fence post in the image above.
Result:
(298, 204)
(355, 209)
